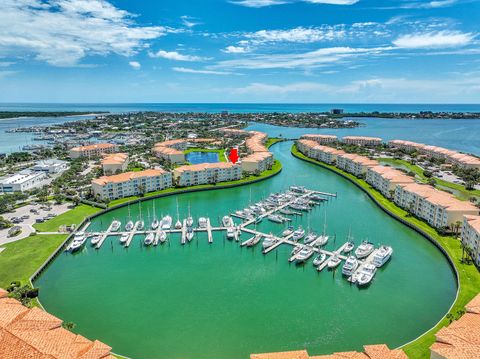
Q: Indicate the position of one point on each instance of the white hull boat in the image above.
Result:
(383, 254)
(129, 226)
(303, 255)
(350, 266)
(115, 226)
(366, 275)
(333, 262)
(298, 234)
(155, 224)
(227, 221)
(364, 250)
(319, 259)
(166, 222)
(149, 239)
(124, 238)
(349, 247)
(94, 241)
(202, 222)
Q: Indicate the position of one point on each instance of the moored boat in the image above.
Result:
(268, 242)
(382, 255)
(319, 259)
(350, 266)
(149, 239)
(166, 222)
(115, 226)
(124, 238)
(298, 234)
(288, 231)
(366, 275)
(364, 250)
(227, 221)
(310, 237)
(155, 223)
(202, 222)
(95, 240)
(348, 247)
(275, 218)
(304, 254)
(129, 226)
(333, 262)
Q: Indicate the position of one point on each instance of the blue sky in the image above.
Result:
(366, 51)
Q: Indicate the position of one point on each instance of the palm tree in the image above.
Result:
(457, 225)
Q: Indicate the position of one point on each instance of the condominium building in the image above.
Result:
(355, 164)
(95, 150)
(362, 140)
(471, 236)
(321, 139)
(131, 183)
(114, 163)
(385, 179)
(255, 143)
(459, 159)
(325, 154)
(205, 173)
(22, 181)
(440, 209)
(257, 162)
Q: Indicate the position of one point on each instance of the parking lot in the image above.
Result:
(26, 216)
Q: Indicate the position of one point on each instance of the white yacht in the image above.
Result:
(190, 233)
(304, 254)
(124, 238)
(321, 240)
(298, 189)
(167, 222)
(350, 266)
(288, 231)
(319, 259)
(349, 247)
(298, 234)
(268, 242)
(129, 226)
(230, 232)
(95, 240)
(367, 274)
(254, 240)
(310, 237)
(202, 222)
(149, 239)
(162, 236)
(115, 226)
(364, 250)
(227, 221)
(383, 254)
(155, 223)
(334, 261)
(275, 218)
(78, 242)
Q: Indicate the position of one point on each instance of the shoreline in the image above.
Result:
(414, 348)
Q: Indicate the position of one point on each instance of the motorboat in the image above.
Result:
(254, 240)
(317, 197)
(287, 212)
(231, 232)
(298, 189)
(275, 218)
(333, 262)
(382, 255)
(162, 236)
(190, 233)
(140, 225)
(310, 237)
(167, 222)
(299, 207)
(129, 226)
(78, 242)
(367, 274)
(295, 250)
(319, 259)
(178, 224)
(364, 250)
(268, 242)
(202, 222)
(348, 247)
(350, 266)
(115, 226)
(155, 223)
(288, 231)
(227, 221)
(124, 238)
(94, 241)
(304, 254)
(298, 234)
(149, 239)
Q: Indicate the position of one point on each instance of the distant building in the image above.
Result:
(50, 166)
(355, 164)
(114, 163)
(172, 150)
(362, 140)
(95, 150)
(22, 181)
(257, 162)
(336, 111)
(385, 179)
(321, 139)
(206, 173)
(131, 183)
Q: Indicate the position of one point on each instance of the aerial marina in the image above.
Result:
(359, 268)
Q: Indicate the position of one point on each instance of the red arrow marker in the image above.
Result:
(233, 155)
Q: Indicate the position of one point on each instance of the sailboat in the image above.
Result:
(155, 222)
(350, 244)
(189, 218)
(129, 225)
(178, 224)
(140, 225)
(323, 238)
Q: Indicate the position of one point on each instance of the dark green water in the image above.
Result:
(222, 301)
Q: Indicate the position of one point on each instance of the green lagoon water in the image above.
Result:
(221, 301)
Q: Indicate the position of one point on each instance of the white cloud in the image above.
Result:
(428, 4)
(333, 2)
(441, 39)
(316, 58)
(176, 56)
(63, 32)
(203, 72)
(235, 50)
(189, 21)
(262, 88)
(135, 65)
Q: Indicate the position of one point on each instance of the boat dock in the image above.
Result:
(330, 255)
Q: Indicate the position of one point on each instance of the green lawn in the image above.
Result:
(221, 156)
(273, 140)
(469, 276)
(21, 259)
(463, 194)
(74, 216)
